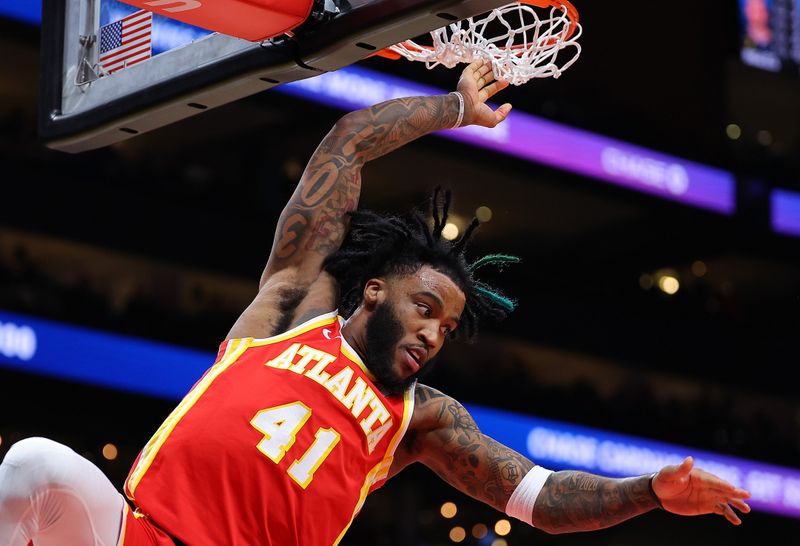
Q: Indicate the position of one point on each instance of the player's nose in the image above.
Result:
(431, 336)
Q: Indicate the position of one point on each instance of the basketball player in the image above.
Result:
(305, 412)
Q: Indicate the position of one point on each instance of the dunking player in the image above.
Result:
(304, 412)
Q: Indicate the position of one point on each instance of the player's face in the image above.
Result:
(408, 328)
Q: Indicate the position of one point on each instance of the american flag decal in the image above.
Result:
(126, 42)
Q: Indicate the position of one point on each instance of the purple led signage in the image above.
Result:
(785, 215)
(528, 137)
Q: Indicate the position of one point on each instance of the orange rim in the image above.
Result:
(572, 15)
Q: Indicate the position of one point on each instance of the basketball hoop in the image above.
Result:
(522, 41)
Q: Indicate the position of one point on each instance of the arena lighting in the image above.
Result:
(483, 214)
(157, 369)
(733, 131)
(449, 510)
(450, 231)
(541, 141)
(699, 268)
(668, 284)
(110, 452)
(479, 530)
(764, 137)
(785, 212)
(457, 534)
(502, 527)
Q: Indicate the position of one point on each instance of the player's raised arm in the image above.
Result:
(314, 222)
(444, 437)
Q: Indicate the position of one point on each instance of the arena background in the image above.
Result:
(163, 237)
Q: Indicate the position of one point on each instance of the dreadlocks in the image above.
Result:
(384, 245)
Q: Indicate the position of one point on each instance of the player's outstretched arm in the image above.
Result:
(444, 437)
(571, 499)
(314, 222)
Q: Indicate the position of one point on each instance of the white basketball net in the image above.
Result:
(527, 44)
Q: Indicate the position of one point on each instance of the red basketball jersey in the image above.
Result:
(279, 443)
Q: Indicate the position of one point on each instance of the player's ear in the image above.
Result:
(375, 292)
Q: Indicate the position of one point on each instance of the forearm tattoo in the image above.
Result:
(467, 459)
(577, 501)
(315, 219)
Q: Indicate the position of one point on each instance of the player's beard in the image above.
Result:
(384, 332)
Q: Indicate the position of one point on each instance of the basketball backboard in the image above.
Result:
(85, 104)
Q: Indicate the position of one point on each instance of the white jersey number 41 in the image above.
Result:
(280, 426)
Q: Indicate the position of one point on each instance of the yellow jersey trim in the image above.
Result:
(350, 353)
(233, 351)
(352, 356)
(368, 481)
(408, 412)
(316, 322)
(381, 470)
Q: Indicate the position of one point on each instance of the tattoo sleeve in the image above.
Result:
(314, 221)
(576, 501)
(463, 456)
(448, 441)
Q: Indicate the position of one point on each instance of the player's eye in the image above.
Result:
(424, 310)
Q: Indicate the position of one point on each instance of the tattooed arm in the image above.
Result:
(314, 222)
(577, 501)
(443, 436)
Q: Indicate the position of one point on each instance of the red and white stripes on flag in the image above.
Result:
(126, 42)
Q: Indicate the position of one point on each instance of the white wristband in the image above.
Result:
(520, 505)
(460, 109)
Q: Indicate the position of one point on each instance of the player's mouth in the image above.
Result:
(415, 358)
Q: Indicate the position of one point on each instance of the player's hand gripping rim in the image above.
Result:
(477, 85)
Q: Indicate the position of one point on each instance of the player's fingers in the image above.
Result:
(471, 69)
(502, 113)
(727, 490)
(484, 69)
(740, 505)
(714, 484)
(730, 515)
(492, 89)
(674, 472)
(483, 75)
(719, 485)
(488, 75)
(686, 466)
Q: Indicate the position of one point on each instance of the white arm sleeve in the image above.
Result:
(520, 505)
